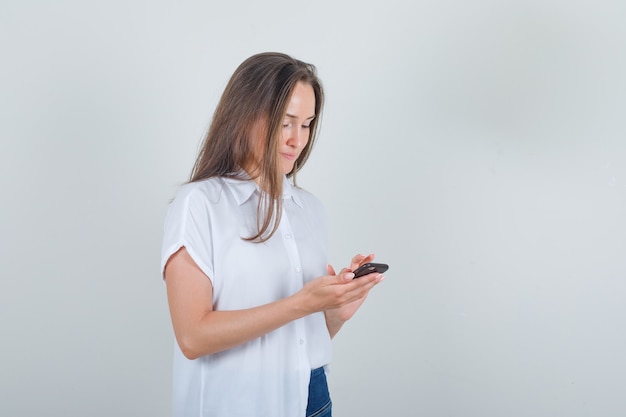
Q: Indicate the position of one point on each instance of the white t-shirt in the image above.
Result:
(267, 376)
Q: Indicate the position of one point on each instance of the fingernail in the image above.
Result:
(349, 276)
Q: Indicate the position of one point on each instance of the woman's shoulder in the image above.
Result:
(308, 198)
(208, 190)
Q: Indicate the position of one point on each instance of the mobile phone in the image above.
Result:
(369, 268)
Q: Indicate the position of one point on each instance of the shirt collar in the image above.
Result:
(243, 189)
(289, 192)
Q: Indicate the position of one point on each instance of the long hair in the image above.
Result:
(257, 94)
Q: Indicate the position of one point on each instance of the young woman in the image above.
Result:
(253, 301)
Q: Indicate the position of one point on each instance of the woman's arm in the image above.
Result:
(200, 330)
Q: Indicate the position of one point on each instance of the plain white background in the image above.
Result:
(477, 147)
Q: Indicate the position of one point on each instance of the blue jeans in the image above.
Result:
(319, 398)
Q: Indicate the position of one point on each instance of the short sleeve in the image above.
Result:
(187, 223)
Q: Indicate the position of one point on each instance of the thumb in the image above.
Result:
(345, 275)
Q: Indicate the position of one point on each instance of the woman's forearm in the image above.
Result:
(216, 331)
(333, 324)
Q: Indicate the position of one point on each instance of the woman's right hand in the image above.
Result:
(334, 291)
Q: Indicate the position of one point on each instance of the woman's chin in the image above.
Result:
(287, 167)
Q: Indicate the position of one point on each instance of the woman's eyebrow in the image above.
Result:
(291, 116)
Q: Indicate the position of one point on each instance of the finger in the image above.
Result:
(360, 291)
(330, 270)
(347, 276)
(356, 261)
(364, 283)
(355, 289)
(370, 280)
(359, 260)
(344, 276)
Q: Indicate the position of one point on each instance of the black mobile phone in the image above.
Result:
(370, 267)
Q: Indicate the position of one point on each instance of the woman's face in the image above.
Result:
(296, 126)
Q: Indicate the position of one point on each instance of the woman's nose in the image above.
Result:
(295, 138)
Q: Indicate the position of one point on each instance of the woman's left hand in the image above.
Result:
(335, 318)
